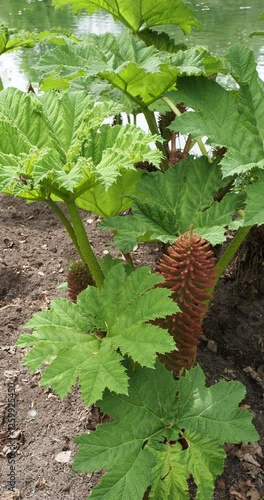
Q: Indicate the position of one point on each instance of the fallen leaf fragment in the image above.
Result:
(63, 457)
(253, 494)
(11, 495)
(248, 458)
(40, 484)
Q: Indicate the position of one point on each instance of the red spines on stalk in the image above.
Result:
(78, 278)
(189, 269)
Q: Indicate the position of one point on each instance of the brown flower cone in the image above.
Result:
(78, 278)
(189, 269)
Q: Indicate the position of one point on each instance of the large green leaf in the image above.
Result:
(167, 204)
(140, 72)
(56, 144)
(233, 119)
(143, 445)
(137, 14)
(88, 340)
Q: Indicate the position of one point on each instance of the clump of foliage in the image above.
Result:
(57, 148)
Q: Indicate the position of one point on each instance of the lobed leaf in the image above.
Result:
(89, 340)
(167, 204)
(233, 119)
(55, 145)
(148, 428)
(140, 72)
(140, 14)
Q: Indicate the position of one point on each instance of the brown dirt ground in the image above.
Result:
(34, 255)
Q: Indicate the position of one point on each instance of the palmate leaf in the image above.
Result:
(90, 339)
(139, 14)
(55, 145)
(167, 204)
(140, 72)
(233, 119)
(141, 447)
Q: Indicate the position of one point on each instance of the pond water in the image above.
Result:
(224, 23)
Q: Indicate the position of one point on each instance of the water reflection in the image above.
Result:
(224, 23)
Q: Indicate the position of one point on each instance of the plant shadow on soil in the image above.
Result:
(35, 253)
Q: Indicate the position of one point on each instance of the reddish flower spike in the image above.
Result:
(189, 269)
(78, 278)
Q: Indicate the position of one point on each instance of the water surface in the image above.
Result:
(224, 23)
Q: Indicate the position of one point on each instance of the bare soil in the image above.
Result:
(35, 253)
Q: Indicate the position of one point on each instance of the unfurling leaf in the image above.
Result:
(55, 146)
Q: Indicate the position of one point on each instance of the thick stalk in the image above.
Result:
(88, 256)
(231, 250)
(62, 217)
(153, 127)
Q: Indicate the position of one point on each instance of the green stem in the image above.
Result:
(203, 150)
(62, 217)
(172, 106)
(128, 259)
(153, 127)
(89, 184)
(88, 256)
(231, 250)
(178, 113)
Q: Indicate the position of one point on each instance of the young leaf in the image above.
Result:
(167, 204)
(55, 145)
(88, 340)
(139, 14)
(148, 430)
